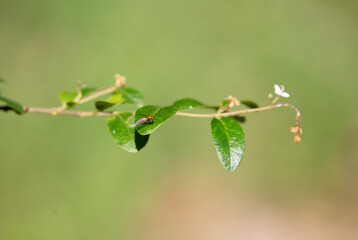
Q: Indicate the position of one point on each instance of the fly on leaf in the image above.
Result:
(144, 120)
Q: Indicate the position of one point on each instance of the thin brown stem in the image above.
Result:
(120, 82)
(244, 111)
(99, 93)
(57, 111)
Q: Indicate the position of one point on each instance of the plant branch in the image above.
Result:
(120, 83)
(244, 111)
(99, 93)
(57, 111)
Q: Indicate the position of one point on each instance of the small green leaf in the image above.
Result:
(229, 140)
(2, 80)
(249, 103)
(68, 98)
(113, 100)
(126, 136)
(239, 118)
(132, 96)
(12, 104)
(87, 90)
(161, 114)
(188, 103)
(224, 104)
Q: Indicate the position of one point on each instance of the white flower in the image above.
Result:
(279, 91)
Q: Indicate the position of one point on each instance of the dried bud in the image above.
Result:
(236, 101)
(297, 139)
(296, 130)
(120, 80)
(233, 102)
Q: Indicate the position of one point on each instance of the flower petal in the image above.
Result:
(278, 90)
(285, 95)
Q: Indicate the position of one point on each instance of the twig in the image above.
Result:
(244, 111)
(57, 111)
(99, 93)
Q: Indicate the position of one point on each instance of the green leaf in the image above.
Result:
(161, 114)
(224, 104)
(2, 80)
(249, 103)
(113, 100)
(68, 98)
(188, 103)
(87, 90)
(132, 96)
(126, 136)
(239, 118)
(12, 104)
(229, 140)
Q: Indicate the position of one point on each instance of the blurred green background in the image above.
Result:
(64, 177)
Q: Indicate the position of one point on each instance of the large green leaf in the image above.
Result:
(161, 114)
(125, 135)
(188, 103)
(110, 102)
(229, 140)
(12, 105)
(132, 96)
(249, 103)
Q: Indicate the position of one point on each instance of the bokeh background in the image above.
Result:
(64, 177)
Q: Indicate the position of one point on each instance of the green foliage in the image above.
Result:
(110, 102)
(160, 114)
(131, 130)
(229, 140)
(225, 104)
(188, 103)
(239, 118)
(125, 135)
(11, 105)
(249, 103)
(70, 99)
(85, 91)
(132, 96)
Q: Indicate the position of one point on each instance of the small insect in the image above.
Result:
(143, 120)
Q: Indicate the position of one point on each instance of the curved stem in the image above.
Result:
(99, 93)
